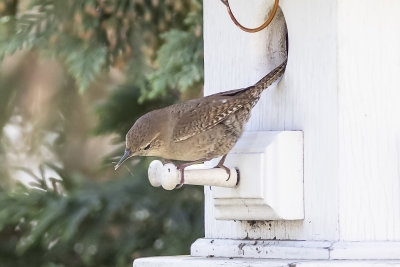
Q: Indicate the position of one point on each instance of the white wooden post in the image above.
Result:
(342, 89)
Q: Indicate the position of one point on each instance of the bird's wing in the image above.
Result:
(205, 115)
(213, 109)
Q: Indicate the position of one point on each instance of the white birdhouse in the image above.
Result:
(327, 186)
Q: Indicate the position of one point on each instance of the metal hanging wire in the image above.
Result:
(266, 23)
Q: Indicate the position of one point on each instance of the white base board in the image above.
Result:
(305, 250)
(190, 261)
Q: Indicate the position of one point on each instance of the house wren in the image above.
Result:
(196, 130)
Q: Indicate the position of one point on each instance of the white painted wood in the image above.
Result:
(372, 250)
(271, 178)
(154, 171)
(368, 123)
(305, 99)
(185, 261)
(347, 263)
(304, 250)
(168, 176)
(261, 249)
(342, 89)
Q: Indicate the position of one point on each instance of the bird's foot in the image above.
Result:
(181, 169)
(228, 171)
(221, 165)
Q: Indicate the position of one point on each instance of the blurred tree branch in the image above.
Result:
(66, 217)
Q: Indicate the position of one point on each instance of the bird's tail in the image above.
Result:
(272, 77)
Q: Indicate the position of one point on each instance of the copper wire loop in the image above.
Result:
(271, 17)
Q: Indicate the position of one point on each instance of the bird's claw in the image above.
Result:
(182, 179)
(228, 171)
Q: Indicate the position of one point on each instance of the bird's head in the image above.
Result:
(143, 139)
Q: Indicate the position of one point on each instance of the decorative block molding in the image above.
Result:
(271, 178)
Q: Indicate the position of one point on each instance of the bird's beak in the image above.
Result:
(123, 158)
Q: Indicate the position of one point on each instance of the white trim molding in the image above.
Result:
(304, 250)
(185, 261)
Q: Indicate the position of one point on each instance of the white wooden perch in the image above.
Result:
(168, 176)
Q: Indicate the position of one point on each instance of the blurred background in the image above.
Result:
(74, 77)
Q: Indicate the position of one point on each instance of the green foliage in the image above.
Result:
(180, 59)
(106, 224)
(84, 62)
(88, 215)
(92, 36)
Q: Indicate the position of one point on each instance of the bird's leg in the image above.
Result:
(221, 165)
(182, 167)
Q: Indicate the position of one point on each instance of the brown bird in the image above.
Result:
(196, 130)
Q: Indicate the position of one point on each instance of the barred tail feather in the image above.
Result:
(268, 80)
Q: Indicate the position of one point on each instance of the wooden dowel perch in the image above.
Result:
(168, 176)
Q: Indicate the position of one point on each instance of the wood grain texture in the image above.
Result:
(369, 124)
(306, 99)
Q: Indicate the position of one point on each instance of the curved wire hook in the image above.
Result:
(266, 23)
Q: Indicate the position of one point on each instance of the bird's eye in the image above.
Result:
(147, 147)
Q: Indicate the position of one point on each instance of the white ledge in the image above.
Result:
(305, 250)
(185, 261)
